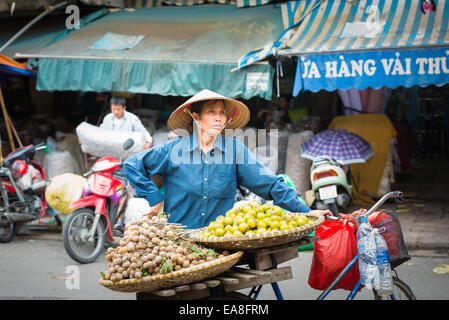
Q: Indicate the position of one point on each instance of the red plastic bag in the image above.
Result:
(332, 253)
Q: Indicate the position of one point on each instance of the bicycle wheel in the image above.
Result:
(401, 291)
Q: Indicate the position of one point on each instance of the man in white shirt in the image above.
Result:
(121, 120)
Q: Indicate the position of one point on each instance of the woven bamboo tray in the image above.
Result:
(176, 278)
(259, 240)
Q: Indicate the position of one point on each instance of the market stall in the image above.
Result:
(376, 57)
(158, 260)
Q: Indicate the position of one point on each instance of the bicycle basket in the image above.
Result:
(390, 228)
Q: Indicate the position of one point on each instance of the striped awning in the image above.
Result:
(394, 24)
(291, 18)
(368, 43)
(252, 3)
(158, 3)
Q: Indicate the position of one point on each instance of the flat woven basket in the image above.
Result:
(176, 278)
(259, 240)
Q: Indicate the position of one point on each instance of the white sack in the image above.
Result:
(160, 136)
(268, 156)
(297, 167)
(135, 209)
(100, 142)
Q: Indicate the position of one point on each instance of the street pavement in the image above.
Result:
(35, 266)
(424, 224)
(424, 218)
(424, 214)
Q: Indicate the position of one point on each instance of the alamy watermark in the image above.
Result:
(73, 20)
(261, 145)
(250, 145)
(73, 277)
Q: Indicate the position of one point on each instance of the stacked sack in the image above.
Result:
(101, 142)
(297, 167)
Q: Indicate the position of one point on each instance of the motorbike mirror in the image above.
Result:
(128, 144)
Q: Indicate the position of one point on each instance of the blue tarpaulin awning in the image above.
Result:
(366, 43)
(9, 67)
(183, 50)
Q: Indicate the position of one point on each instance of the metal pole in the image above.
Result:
(33, 22)
(338, 278)
(7, 123)
(277, 291)
(354, 291)
(392, 194)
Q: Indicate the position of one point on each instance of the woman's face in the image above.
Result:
(212, 117)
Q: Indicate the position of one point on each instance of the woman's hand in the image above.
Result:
(322, 212)
(155, 210)
(326, 213)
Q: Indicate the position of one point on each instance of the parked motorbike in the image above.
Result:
(243, 194)
(22, 190)
(88, 227)
(329, 185)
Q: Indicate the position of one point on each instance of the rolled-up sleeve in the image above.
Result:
(286, 197)
(140, 167)
(257, 178)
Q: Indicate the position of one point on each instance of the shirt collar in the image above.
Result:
(191, 142)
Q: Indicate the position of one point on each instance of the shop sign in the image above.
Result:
(378, 68)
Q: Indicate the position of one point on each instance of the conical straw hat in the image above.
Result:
(237, 113)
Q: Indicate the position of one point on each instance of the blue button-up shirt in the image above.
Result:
(198, 186)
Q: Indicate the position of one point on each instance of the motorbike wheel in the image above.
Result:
(74, 231)
(7, 233)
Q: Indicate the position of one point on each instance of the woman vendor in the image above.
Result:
(202, 167)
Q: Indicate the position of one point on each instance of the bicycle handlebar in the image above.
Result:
(392, 194)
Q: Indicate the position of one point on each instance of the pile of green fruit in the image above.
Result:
(253, 218)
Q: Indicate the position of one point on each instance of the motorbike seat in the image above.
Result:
(18, 154)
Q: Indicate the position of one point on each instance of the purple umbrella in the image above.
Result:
(343, 146)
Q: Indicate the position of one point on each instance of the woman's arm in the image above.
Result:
(257, 178)
(140, 167)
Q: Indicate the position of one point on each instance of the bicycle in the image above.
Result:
(219, 290)
(401, 289)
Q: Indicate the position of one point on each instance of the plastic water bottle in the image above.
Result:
(366, 245)
(383, 261)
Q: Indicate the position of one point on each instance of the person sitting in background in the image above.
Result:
(280, 115)
(121, 120)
